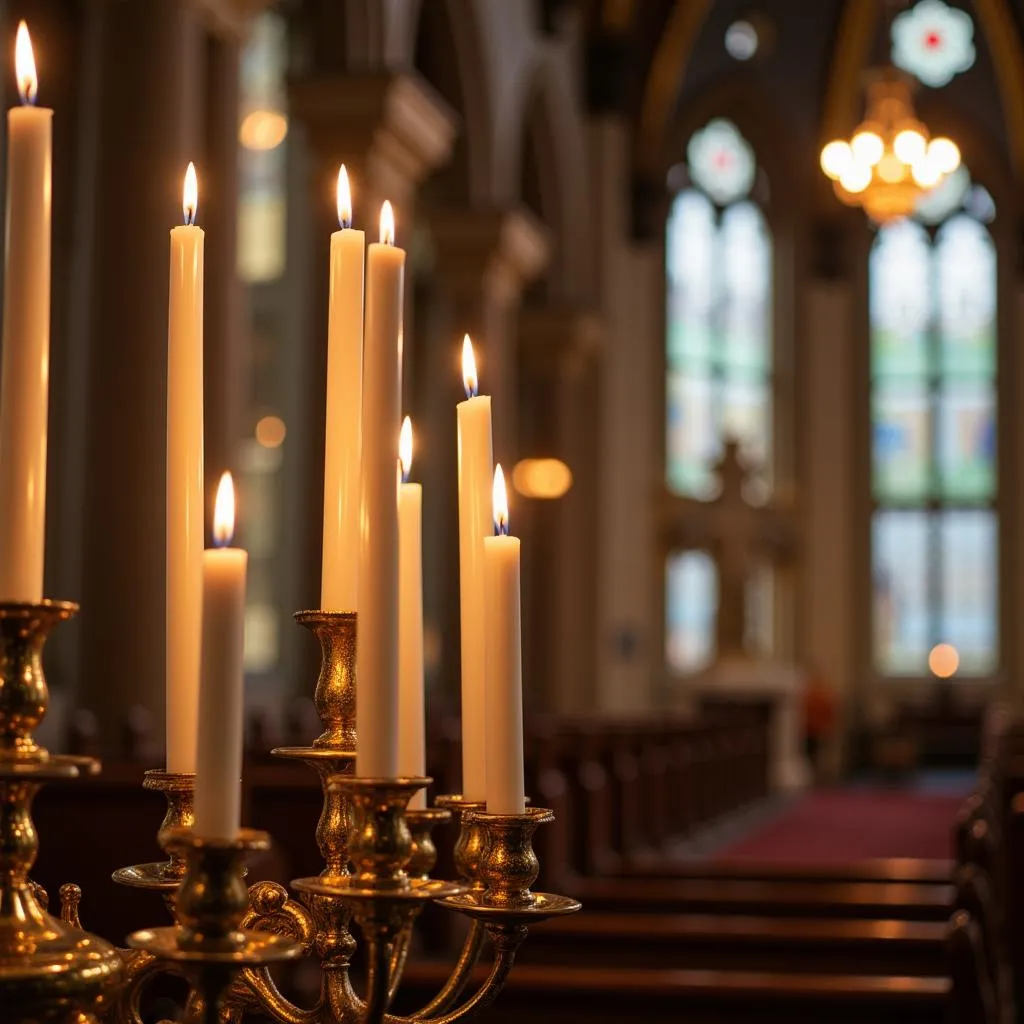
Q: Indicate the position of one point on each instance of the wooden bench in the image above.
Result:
(740, 943)
(908, 901)
(622, 995)
(892, 869)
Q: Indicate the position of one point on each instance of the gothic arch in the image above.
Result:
(450, 48)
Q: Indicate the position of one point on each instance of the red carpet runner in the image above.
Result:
(837, 826)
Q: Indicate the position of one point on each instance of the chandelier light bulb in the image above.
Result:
(836, 158)
(892, 168)
(856, 177)
(867, 148)
(909, 145)
(926, 172)
(945, 154)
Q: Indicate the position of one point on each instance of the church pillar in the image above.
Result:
(225, 357)
(627, 280)
(484, 260)
(150, 80)
(559, 403)
(391, 131)
(829, 539)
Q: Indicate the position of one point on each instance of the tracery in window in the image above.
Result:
(933, 364)
(933, 41)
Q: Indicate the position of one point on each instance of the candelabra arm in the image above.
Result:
(399, 955)
(469, 957)
(378, 977)
(256, 988)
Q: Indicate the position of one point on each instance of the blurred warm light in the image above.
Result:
(856, 177)
(263, 129)
(541, 478)
(889, 162)
(943, 660)
(499, 501)
(224, 512)
(190, 194)
(469, 378)
(25, 65)
(271, 431)
(405, 447)
(909, 145)
(836, 158)
(945, 154)
(867, 147)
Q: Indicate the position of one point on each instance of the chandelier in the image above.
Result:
(890, 161)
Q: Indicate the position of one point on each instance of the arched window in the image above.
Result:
(934, 476)
(718, 357)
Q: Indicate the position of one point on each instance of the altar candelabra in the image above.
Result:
(378, 855)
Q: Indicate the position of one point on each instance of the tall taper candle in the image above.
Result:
(505, 788)
(412, 756)
(184, 482)
(25, 373)
(377, 650)
(219, 767)
(475, 461)
(340, 571)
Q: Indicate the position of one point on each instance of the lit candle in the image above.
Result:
(412, 758)
(340, 573)
(475, 462)
(377, 650)
(25, 371)
(184, 482)
(505, 788)
(219, 768)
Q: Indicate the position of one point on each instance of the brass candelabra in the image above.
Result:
(378, 854)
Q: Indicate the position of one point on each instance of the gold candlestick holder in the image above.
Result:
(50, 970)
(209, 945)
(378, 855)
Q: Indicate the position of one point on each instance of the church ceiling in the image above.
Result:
(664, 62)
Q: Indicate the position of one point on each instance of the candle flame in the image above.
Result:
(224, 512)
(344, 199)
(469, 379)
(499, 498)
(25, 65)
(190, 194)
(405, 448)
(387, 224)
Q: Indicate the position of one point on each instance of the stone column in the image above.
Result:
(628, 281)
(226, 365)
(391, 131)
(483, 261)
(150, 84)
(831, 532)
(560, 346)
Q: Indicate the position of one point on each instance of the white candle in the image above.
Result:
(505, 788)
(184, 482)
(475, 461)
(412, 757)
(24, 376)
(219, 768)
(340, 573)
(377, 650)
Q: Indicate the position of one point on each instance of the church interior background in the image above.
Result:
(763, 431)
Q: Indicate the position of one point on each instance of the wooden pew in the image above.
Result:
(708, 942)
(613, 995)
(909, 901)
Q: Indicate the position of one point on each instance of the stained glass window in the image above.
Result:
(933, 366)
(933, 41)
(718, 361)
